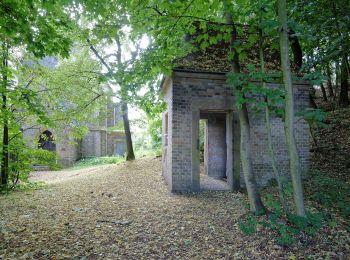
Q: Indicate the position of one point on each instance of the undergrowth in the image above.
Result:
(287, 227)
(331, 194)
(87, 162)
(24, 186)
(331, 197)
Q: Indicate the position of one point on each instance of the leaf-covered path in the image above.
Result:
(126, 212)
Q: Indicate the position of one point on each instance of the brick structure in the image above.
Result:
(98, 141)
(194, 95)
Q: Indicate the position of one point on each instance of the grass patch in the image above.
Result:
(147, 153)
(25, 187)
(88, 162)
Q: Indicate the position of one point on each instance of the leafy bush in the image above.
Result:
(248, 226)
(44, 157)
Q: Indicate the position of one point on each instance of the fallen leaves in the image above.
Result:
(125, 211)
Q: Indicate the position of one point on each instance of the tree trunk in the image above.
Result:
(324, 93)
(5, 138)
(329, 82)
(129, 149)
(312, 98)
(336, 87)
(296, 49)
(268, 127)
(344, 84)
(289, 110)
(5, 143)
(256, 204)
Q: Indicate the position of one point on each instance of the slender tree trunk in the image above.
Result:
(268, 128)
(129, 148)
(5, 138)
(256, 204)
(344, 67)
(5, 144)
(289, 110)
(337, 75)
(329, 82)
(344, 84)
(324, 93)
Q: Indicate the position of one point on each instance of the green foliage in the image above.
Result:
(285, 238)
(37, 25)
(139, 153)
(88, 162)
(315, 77)
(19, 163)
(254, 93)
(248, 226)
(287, 228)
(24, 186)
(332, 194)
(43, 157)
(153, 106)
(41, 95)
(315, 117)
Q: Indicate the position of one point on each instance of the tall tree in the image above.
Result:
(256, 204)
(289, 110)
(325, 36)
(123, 93)
(39, 27)
(276, 172)
(4, 113)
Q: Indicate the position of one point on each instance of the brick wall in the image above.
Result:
(187, 93)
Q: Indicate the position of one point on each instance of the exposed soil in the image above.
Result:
(126, 212)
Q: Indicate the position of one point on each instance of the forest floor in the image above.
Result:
(125, 211)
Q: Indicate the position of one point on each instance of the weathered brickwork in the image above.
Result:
(97, 142)
(187, 94)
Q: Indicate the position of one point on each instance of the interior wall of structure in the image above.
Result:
(215, 146)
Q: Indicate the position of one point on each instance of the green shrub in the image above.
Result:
(287, 227)
(44, 157)
(248, 225)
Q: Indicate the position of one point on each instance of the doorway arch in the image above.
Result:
(47, 141)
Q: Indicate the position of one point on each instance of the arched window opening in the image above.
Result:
(47, 141)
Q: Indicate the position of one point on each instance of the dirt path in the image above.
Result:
(125, 212)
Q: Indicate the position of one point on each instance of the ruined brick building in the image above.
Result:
(197, 90)
(101, 139)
